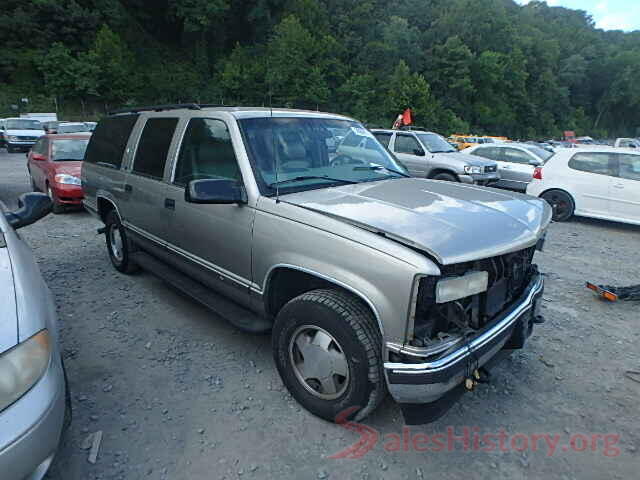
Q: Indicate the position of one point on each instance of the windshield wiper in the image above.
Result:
(380, 167)
(442, 151)
(311, 177)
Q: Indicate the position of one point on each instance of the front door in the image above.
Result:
(411, 154)
(625, 191)
(144, 190)
(216, 238)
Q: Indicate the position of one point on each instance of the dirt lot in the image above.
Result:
(180, 394)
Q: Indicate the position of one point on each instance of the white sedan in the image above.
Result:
(597, 182)
(516, 162)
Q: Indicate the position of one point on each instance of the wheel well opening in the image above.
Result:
(438, 171)
(104, 207)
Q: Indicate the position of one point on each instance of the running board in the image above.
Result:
(244, 319)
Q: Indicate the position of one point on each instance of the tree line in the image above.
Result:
(491, 67)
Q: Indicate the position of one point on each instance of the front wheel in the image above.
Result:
(327, 348)
(561, 203)
(118, 245)
(447, 177)
(57, 207)
(11, 149)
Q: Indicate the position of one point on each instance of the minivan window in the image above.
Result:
(206, 152)
(153, 147)
(109, 140)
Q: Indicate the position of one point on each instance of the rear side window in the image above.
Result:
(41, 146)
(110, 139)
(383, 138)
(206, 152)
(593, 162)
(492, 153)
(514, 155)
(153, 147)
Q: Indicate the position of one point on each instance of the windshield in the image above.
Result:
(23, 125)
(308, 155)
(540, 152)
(69, 150)
(72, 128)
(435, 143)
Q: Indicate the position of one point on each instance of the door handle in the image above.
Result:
(506, 167)
(169, 203)
(128, 188)
(618, 185)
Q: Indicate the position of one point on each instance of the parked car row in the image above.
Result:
(20, 134)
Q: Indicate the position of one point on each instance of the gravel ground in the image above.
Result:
(180, 394)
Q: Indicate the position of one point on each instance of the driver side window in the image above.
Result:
(406, 144)
(206, 152)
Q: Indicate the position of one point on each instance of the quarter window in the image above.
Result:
(630, 167)
(406, 144)
(206, 152)
(593, 162)
(153, 147)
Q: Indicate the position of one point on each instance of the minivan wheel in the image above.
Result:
(561, 203)
(118, 245)
(327, 348)
(447, 177)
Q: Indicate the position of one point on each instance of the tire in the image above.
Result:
(118, 245)
(342, 336)
(562, 204)
(447, 177)
(57, 207)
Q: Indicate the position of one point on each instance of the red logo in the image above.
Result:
(368, 436)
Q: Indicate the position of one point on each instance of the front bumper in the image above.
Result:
(31, 428)
(21, 143)
(420, 383)
(480, 179)
(68, 194)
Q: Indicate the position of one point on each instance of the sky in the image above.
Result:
(608, 14)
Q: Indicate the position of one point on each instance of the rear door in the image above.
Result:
(514, 167)
(625, 191)
(145, 189)
(590, 181)
(411, 154)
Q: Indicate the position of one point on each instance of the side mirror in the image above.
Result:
(38, 157)
(419, 152)
(535, 163)
(215, 191)
(33, 206)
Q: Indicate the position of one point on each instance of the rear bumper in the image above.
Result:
(420, 383)
(32, 426)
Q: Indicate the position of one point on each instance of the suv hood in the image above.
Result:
(464, 158)
(8, 314)
(453, 223)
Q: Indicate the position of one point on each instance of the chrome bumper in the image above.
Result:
(420, 383)
(480, 179)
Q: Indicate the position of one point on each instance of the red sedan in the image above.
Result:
(54, 165)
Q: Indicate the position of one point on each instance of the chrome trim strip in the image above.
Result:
(243, 282)
(328, 279)
(477, 343)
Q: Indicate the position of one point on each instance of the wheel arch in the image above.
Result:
(104, 206)
(285, 282)
(439, 170)
(573, 199)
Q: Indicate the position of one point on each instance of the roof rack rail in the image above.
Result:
(413, 127)
(160, 108)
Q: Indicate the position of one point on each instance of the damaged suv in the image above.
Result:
(369, 280)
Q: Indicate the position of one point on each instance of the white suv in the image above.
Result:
(598, 182)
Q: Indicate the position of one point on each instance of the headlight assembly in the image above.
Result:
(67, 179)
(454, 288)
(22, 367)
(13, 138)
(472, 170)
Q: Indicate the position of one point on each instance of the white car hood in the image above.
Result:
(25, 133)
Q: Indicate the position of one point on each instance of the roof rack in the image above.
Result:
(160, 108)
(413, 127)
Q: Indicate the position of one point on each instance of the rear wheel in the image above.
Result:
(118, 245)
(561, 203)
(327, 348)
(58, 208)
(447, 177)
